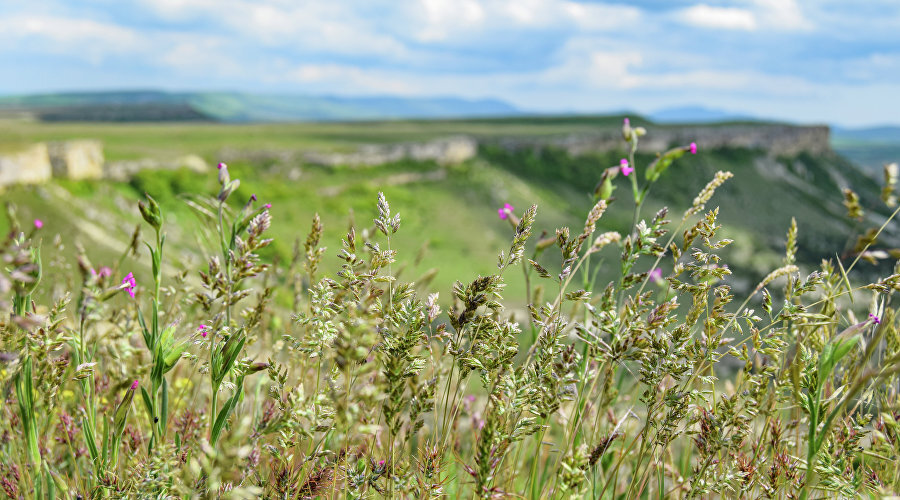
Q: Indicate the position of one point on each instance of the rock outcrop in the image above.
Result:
(126, 169)
(83, 159)
(29, 166)
(444, 151)
(774, 139)
(77, 160)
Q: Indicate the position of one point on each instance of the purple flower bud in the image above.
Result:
(134, 385)
(129, 284)
(38, 223)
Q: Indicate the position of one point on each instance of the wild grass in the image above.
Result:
(655, 384)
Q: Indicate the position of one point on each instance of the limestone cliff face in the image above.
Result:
(77, 160)
(29, 166)
(774, 139)
(444, 151)
(126, 169)
(83, 159)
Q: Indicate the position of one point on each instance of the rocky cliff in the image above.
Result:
(775, 139)
(83, 159)
(29, 166)
(76, 160)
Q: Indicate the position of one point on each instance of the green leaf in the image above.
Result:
(662, 163)
(835, 350)
(147, 402)
(164, 407)
(148, 341)
(226, 411)
(88, 431)
(105, 453)
(172, 355)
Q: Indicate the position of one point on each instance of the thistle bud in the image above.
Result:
(122, 410)
(150, 212)
(627, 131)
(224, 178)
(256, 367)
(228, 188)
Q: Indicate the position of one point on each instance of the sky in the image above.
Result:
(806, 61)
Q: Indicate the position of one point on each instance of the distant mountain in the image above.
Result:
(241, 107)
(697, 114)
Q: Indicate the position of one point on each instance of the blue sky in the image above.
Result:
(801, 60)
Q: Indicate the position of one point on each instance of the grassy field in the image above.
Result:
(227, 371)
(426, 193)
(130, 141)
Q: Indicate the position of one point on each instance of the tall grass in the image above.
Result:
(286, 380)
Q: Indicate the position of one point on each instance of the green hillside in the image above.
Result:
(448, 211)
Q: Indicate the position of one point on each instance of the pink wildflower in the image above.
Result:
(625, 168)
(655, 275)
(204, 330)
(105, 272)
(693, 148)
(505, 211)
(222, 165)
(268, 206)
(38, 223)
(134, 385)
(627, 122)
(129, 284)
(875, 319)
(381, 463)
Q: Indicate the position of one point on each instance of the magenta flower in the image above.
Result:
(693, 148)
(655, 275)
(203, 330)
(253, 197)
(268, 206)
(505, 211)
(129, 284)
(381, 463)
(874, 319)
(38, 223)
(134, 385)
(222, 165)
(625, 168)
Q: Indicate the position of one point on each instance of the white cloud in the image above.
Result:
(778, 15)
(352, 79)
(445, 19)
(727, 18)
(194, 54)
(84, 37)
(782, 15)
(334, 27)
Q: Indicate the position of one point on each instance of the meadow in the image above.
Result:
(525, 324)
